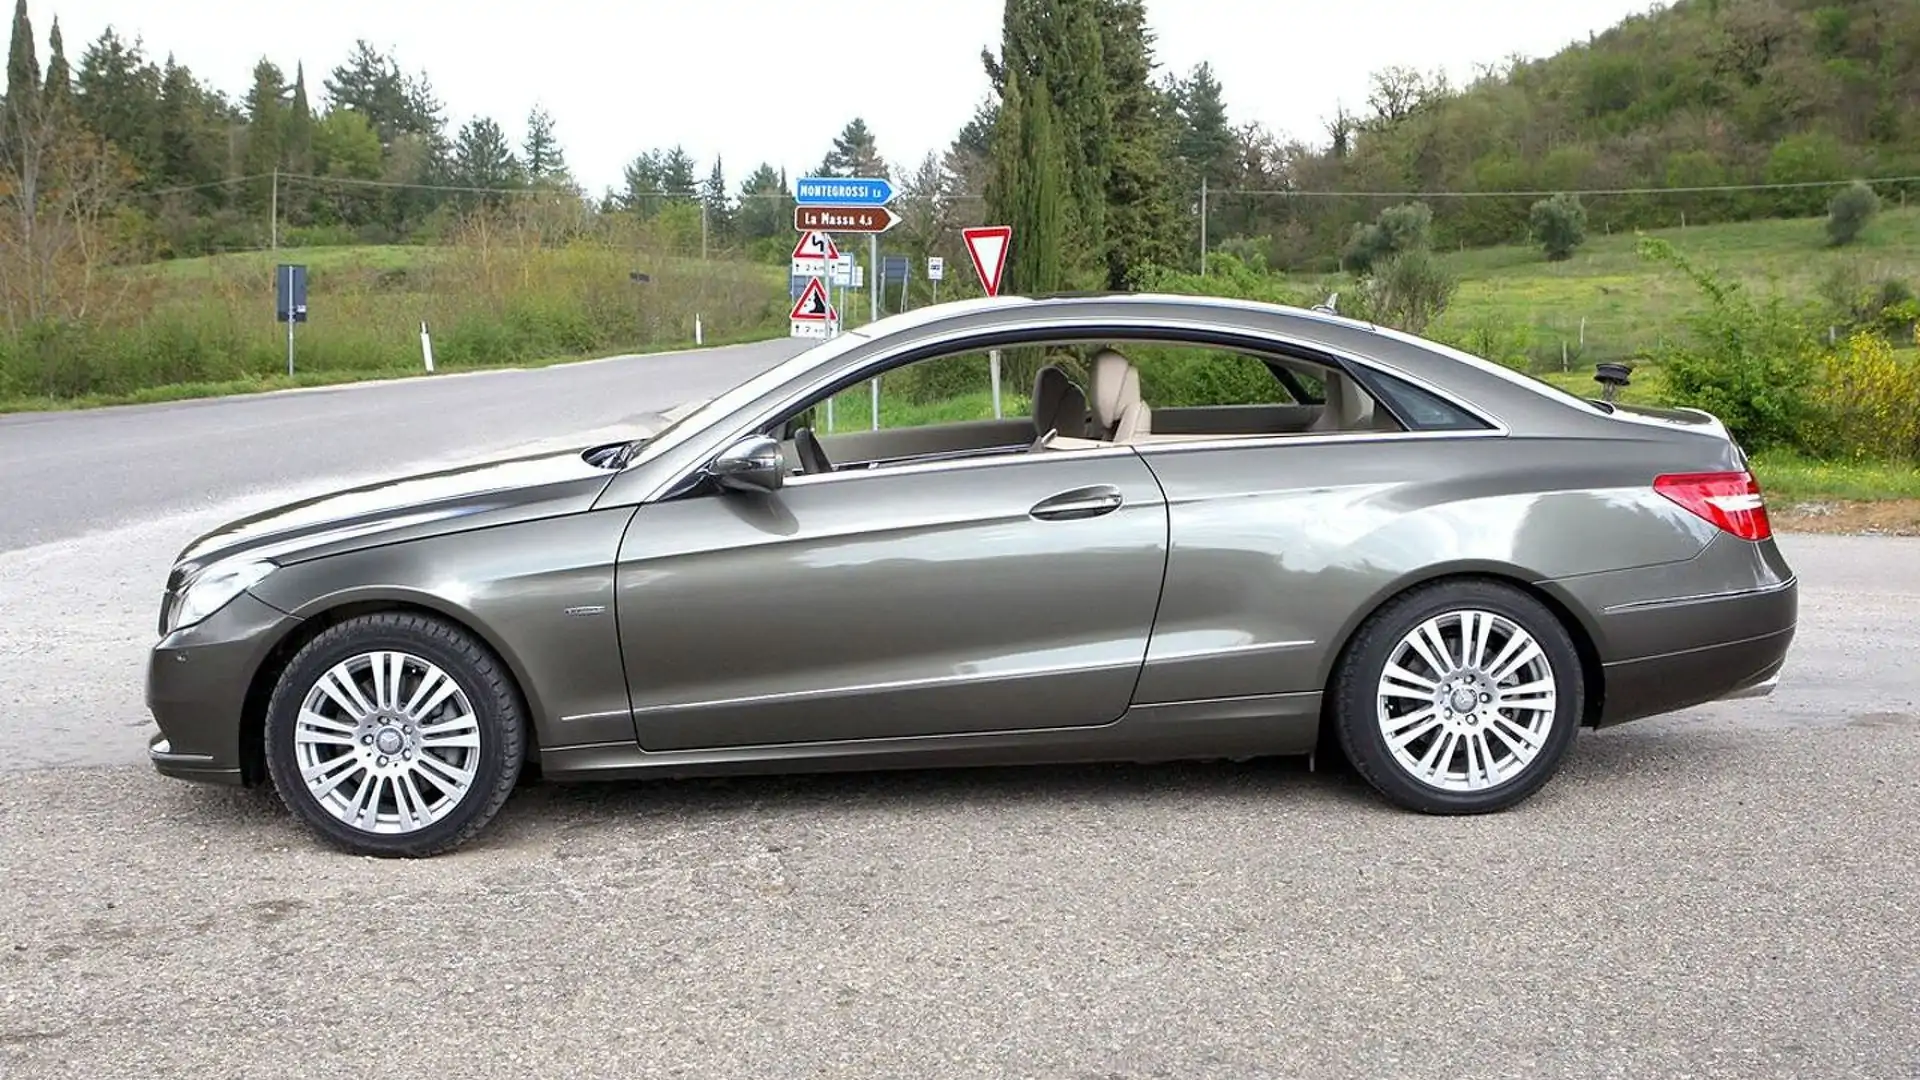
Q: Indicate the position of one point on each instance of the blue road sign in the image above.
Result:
(290, 293)
(843, 191)
(893, 269)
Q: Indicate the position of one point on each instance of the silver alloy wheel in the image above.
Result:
(1466, 701)
(387, 742)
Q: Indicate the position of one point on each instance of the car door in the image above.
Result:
(986, 595)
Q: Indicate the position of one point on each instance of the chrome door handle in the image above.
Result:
(1080, 503)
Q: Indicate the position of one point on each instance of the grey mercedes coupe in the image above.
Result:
(1364, 541)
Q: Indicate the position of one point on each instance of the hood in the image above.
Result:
(406, 508)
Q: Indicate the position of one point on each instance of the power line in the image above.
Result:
(469, 189)
(1563, 191)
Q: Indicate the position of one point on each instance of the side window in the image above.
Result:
(951, 389)
(1175, 376)
(1423, 411)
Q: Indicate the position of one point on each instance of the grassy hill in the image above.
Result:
(1693, 94)
(1609, 303)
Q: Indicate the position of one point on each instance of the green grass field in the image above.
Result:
(1608, 303)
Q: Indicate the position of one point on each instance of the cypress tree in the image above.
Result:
(297, 137)
(23, 71)
(1025, 189)
(59, 87)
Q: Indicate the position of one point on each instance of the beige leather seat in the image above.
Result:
(1113, 391)
(1348, 407)
(1058, 405)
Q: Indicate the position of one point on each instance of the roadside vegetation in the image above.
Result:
(1715, 193)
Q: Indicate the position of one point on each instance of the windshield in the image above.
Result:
(738, 397)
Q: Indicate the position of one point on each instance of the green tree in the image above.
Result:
(1059, 44)
(117, 95)
(855, 153)
(541, 150)
(1025, 190)
(1207, 145)
(1850, 212)
(23, 68)
(297, 139)
(266, 124)
(59, 87)
(766, 206)
(483, 158)
(713, 196)
(1144, 218)
(346, 147)
(1560, 225)
(1406, 227)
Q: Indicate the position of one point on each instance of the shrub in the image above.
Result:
(1409, 290)
(1500, 340)
(1867, 401)
(1560, 224)
(1402, 228)
(1849, 213)
(1754, 365)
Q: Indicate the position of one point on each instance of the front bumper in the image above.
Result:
(197, 684)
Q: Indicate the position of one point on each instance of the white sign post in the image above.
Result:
(987, 247)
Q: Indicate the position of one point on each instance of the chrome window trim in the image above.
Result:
(962, 464)
(956, 340)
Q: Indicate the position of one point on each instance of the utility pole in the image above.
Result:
(273, 213)
(703, 230)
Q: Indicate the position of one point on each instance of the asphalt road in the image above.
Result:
(83, 471)
(1727, 892)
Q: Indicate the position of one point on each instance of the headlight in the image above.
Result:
(213, 589)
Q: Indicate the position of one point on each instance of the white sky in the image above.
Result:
(748, 79)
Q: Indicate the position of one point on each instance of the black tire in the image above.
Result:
(1356, 685)
(470, 665)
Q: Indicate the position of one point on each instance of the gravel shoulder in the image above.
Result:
(1691, 897)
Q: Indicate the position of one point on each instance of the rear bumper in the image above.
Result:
(1737, 670)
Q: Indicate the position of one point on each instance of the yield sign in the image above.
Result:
(812, 305)
(987, 246)
(816, 245)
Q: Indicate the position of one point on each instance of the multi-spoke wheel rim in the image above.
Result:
(1466, 701)
(387, 742)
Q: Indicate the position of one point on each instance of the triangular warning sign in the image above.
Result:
(816, 245)
(987, 246)
(812, 305)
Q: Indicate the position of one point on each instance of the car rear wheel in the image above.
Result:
(394, 734)
(1459, 698)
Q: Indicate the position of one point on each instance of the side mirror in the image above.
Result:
(752, 464)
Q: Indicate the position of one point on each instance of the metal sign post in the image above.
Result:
(290, 301)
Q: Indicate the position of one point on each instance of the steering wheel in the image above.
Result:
(813, 459)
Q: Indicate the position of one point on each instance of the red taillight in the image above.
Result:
(1731, 500)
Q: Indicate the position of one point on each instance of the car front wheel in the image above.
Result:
(394, 734)
(1459, 698)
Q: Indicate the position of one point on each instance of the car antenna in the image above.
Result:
(1329, 306)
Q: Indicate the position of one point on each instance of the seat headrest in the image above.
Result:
(1112, 385)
